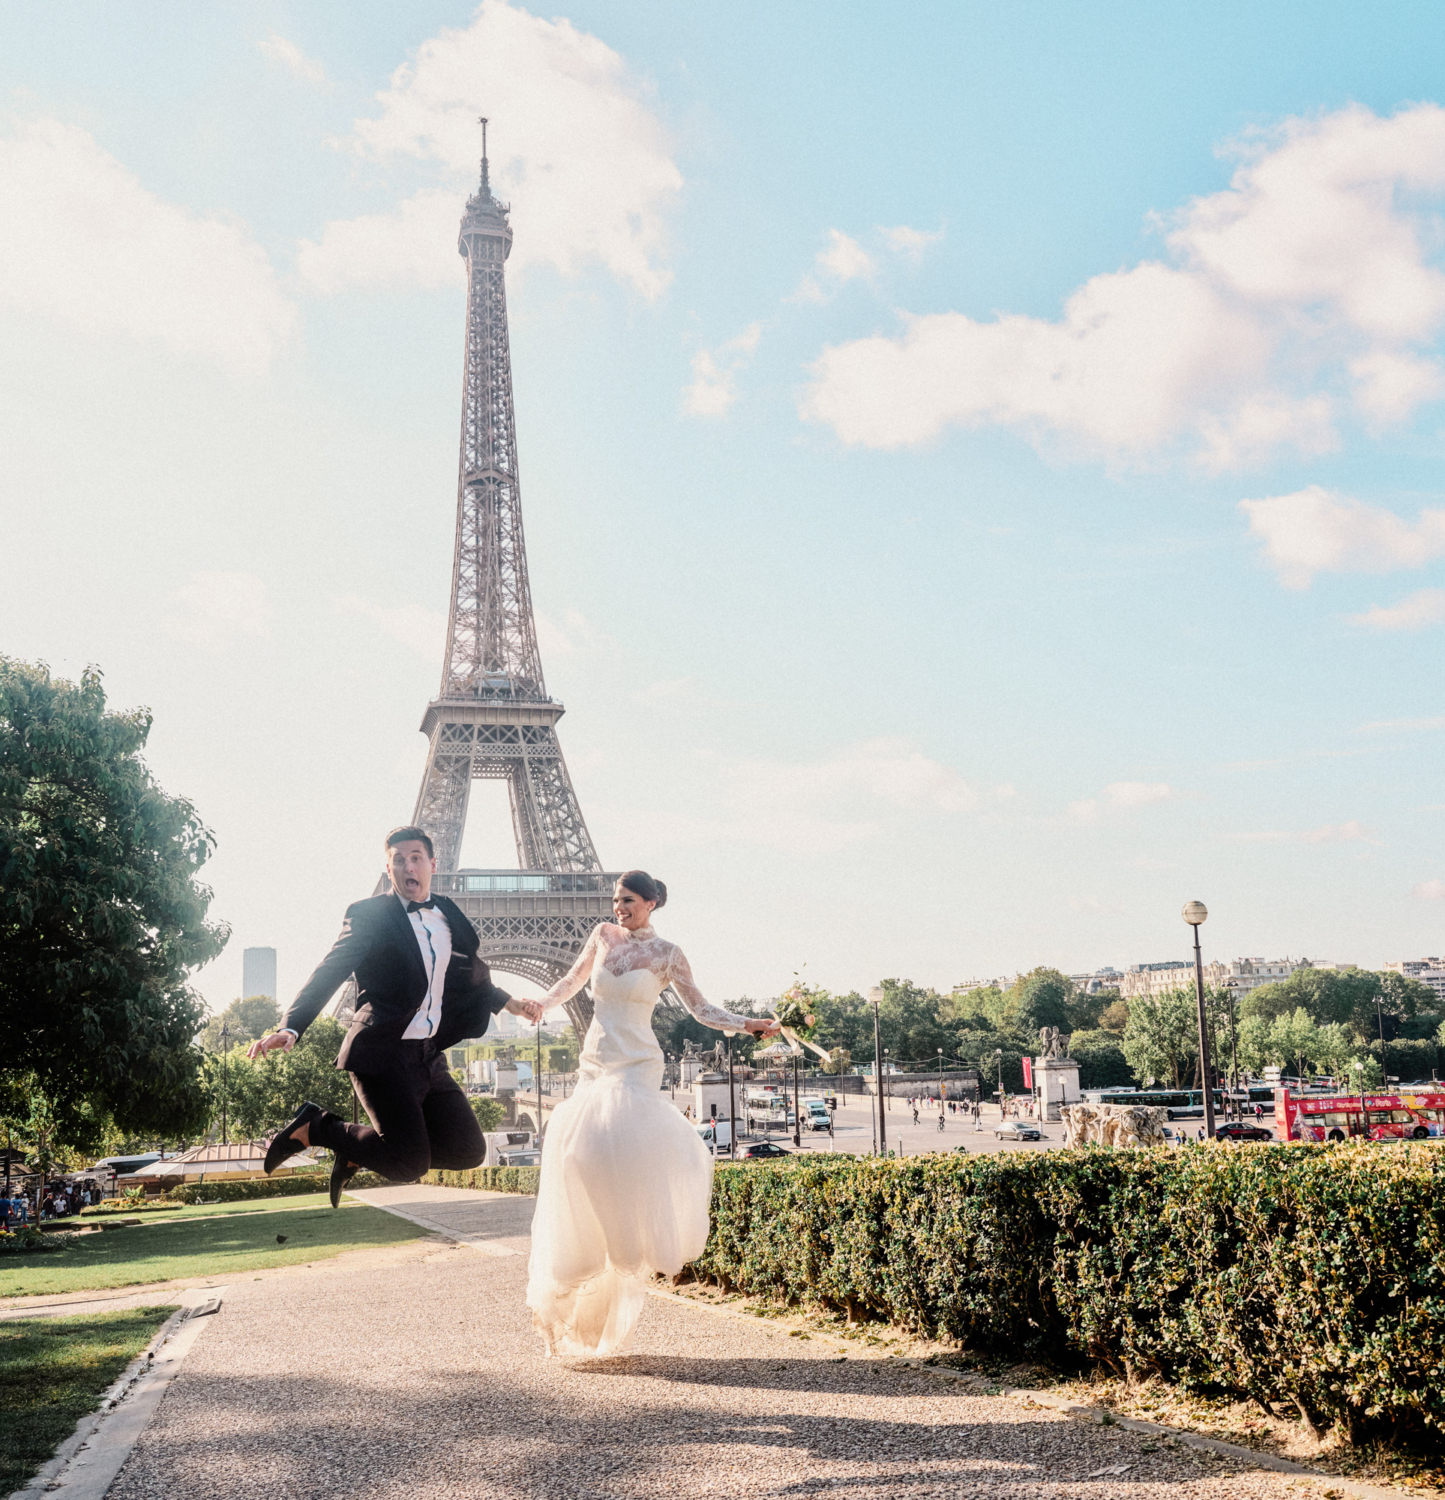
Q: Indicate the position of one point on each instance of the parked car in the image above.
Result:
(1018, 1130)
(761, 1151)
(1237, 1130)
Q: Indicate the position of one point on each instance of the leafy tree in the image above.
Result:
(1101, 1060)
(839, 1061)
(102, 917)
(263, 1095)
(1162, 1036)
(846, 1021)
(490, 1112)
(1333, 1046)
(1043, 997)
(1423, 1026)
(247, 1021)
(1294, 1038)
(1365, 1073)
(908, 1021)
(1267, 1001)
(1255, 1050)
(1115, 1015)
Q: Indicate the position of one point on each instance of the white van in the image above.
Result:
(716, 1133)
(815, 1115)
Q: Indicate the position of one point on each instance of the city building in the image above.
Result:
(1429, 971)
(1107, 978)
(258, 972)
(1154, 979)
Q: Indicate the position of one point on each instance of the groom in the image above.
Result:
(421, 988)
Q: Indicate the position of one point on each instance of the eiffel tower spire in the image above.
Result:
(493, 718)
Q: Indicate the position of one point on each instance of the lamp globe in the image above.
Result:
(1195, 912)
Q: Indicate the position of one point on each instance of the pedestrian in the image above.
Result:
(940, 1119)
(915, 1114)
(1200, 1133)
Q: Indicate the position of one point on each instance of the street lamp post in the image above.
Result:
(732, 1106)
(998, 1053)
(941, 1105)
(875, 999)
(1232, 985)
(225, 1080)
(797, 1112)
(1195, 913)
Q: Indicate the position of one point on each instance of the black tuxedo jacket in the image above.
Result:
(378, 945)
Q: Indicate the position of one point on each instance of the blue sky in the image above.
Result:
(980, 466)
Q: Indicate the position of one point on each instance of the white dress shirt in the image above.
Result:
(434, 938)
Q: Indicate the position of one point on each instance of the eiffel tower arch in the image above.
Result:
(493, 718)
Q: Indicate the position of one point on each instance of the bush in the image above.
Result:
(249, 1187)
(114, 1206)
(27, 1239)
(1312, 1275)
(490, 1179)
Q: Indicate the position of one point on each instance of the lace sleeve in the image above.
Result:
(679, 976)
(576, 976)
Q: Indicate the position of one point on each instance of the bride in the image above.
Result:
(626, 1180)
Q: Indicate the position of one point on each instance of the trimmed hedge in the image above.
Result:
(1311, 1275)
(490, 1179)
(249, 1187)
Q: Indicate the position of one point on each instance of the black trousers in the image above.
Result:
(419, 1118)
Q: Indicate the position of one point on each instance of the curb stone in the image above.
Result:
(1070, 1407)
(85, 1464)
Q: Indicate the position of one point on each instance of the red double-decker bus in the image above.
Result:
(1411, 1114)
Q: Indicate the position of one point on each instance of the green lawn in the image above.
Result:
(52, 1371)
(206, 1210)
(225, 1245)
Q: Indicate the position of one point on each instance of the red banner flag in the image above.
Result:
(1029, 1074)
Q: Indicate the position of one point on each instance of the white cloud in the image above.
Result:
(1431, 890)
(910, 243)
(571, 634)
(284, 51)
(574, 145)
(1437, 722)
(81, 240)
(715, 371)
(424, 630)
(825, 805)
(216, 607)
(1352, 831)
(1415, 612)
(1301, 293)
(841, 260)
(1120, 796)
(844, 259)
(1315, 530)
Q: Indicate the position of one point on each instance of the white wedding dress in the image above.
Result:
(626, 1180)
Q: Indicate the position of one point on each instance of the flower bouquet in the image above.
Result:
(796, 1012)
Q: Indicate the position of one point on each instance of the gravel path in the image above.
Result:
(420, 1377)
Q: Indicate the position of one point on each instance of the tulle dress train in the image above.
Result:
(626, 1180)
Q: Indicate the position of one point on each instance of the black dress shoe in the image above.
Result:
(342, 1171)
(282, 1147)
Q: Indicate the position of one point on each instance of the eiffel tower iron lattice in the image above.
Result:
(493, 719)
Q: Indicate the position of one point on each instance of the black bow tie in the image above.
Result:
(428, 905)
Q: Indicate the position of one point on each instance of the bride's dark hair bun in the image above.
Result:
(640, 883)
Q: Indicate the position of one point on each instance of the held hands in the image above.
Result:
(531, 1009)
(764, 1027)
(285, 1040)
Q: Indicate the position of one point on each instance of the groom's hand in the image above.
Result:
(531, 1009)
(286, 1040)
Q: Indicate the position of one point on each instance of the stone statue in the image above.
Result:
(1113, 1124)
(1052, 1042)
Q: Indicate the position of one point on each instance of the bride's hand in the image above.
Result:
(765, 1027)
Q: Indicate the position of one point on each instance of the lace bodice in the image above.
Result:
(622, 952)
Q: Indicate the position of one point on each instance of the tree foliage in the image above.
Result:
(102, 917)
(262, 1096)
(246, 1020)
(1162, 1035)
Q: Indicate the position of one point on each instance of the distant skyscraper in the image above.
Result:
(258, 972)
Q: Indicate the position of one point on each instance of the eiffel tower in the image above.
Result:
(493, 719)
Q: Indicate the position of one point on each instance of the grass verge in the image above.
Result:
(217, 1246)
(52, 1372)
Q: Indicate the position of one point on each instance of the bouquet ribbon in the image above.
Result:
(797, 1043)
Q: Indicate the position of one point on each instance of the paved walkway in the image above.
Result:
(419, 1376)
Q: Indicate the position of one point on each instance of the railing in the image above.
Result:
(514, 882)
